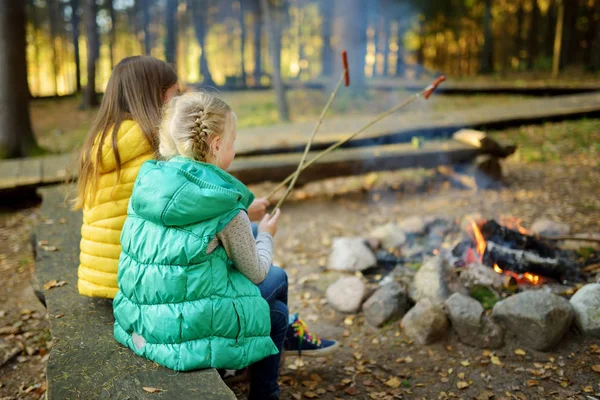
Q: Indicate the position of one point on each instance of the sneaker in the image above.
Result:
(298, 341)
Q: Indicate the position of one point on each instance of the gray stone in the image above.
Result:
(350, 254)
(390, 236)
(431, 281)
(549, 228)
(346, 294)
(425, 323)
(586, 305)
(387, 303)
(473, 327)
(537, 318)
(414, 225)
(479, 274)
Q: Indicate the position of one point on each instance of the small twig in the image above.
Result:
(345, 78)
(296, 174)
(427, 92)
(571, 238)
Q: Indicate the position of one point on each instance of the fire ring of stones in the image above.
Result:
(492, 282)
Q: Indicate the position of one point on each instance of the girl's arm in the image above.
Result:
(252, 257)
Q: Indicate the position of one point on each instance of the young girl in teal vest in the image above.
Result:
(196, 288)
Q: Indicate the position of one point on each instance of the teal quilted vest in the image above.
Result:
(177, 305)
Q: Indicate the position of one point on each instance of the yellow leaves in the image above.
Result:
(465, 363)
(349, 320)
(53, 283)
(152, 389)
(462, 385)
(532, 382)
(310, 395)
(496, 361)
(596, 368)
(520, 352)
(393, 383)
(588, 389)
(407, 360)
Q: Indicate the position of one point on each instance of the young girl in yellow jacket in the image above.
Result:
(122, 137)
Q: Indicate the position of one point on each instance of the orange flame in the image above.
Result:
(514, 223)
(479, 240)
(526, 277)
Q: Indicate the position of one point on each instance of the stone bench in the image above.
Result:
(86, 362)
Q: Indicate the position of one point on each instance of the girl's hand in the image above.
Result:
(269, 223)
(257, 209)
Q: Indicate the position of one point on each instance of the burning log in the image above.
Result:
(521, 262)
(506, 237)
(513, 251)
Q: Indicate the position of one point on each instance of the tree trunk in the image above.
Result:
(570, 45)
(16, 135)
(146, 27)
(558, 38)
(595, 47)
(487, 53)
(243, 36)
(549, 30)
(256, 46)
(532, 38)
(53, 33)
(590, 35)
(113, 32)
(519, 33)
(273, 26)
(386, 43)
(326, 11)
(199, 8)
(171, 43)
(36, 44)
(89, 96)
(350, 29)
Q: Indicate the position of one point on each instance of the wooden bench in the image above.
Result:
(86, 362)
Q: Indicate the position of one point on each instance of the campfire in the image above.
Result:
(511, 250)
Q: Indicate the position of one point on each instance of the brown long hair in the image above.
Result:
(135, 91)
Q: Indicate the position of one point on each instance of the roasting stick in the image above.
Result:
(425, 93)
(345, 78)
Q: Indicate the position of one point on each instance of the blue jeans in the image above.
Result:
(264, 373)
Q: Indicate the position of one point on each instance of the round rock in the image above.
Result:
(586, 304)
(537, 318)
(473, 327)
(350, 254)
(387, 303)
(346, 294)
(390, 236)
(425, 323)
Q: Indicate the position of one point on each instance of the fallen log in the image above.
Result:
(352, 161)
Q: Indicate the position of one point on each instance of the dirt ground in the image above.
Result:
(370, 364)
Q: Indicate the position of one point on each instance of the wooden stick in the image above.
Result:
(345, 78)
(428, 90)
(570, 238)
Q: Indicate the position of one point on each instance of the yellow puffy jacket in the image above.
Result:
(105, 213)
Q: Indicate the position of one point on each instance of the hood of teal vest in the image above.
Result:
(170, 192)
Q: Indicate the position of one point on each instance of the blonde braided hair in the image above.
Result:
(190, 122)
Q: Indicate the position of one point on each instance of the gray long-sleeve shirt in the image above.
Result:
(252, 257)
